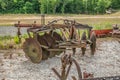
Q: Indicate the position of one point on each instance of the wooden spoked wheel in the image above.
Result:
(32, 50)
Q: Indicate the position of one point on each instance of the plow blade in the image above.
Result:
(32, 50)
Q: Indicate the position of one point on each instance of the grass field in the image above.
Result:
(97, 21)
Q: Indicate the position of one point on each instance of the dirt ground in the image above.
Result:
(105, 62)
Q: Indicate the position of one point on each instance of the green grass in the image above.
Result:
(5, 42)
(102, 26)
(11, 19)
(8, 42)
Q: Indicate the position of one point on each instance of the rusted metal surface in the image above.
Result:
(32, 50)
(116, 31)
(51, 42)
(93, 45)
(102, 33)
(48, 43)
(19, 33)
(105, 78)
(19, 24)
(27, 25)
(56, 36)
(67, 62)
(84, 39)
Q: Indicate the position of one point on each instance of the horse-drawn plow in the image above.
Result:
(48, 40)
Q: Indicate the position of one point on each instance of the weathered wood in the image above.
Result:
(72, 46)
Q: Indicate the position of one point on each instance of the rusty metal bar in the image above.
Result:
(27, 25)
(78, 69)
(55, 71)
(105, 78)
(19, 33)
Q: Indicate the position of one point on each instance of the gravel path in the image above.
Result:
(10, 31)
(105, 62)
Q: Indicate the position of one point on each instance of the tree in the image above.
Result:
(2, 5)
(42, 6)
(76, 6)
(55, 4)
(28, 8)
(115, 4)
(58, 6)
(36, 6)
(102, 5)
(18, 5)
(6, 5)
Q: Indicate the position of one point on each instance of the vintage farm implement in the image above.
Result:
(55, 37)
(66, 63)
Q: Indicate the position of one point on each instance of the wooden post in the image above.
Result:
(42, 19)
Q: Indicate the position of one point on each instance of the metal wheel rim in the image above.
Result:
(32, 50)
